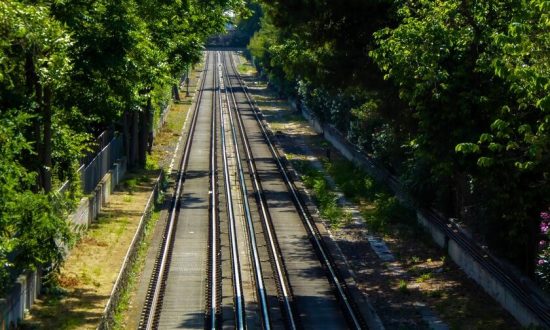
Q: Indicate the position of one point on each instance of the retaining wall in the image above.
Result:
(21, 298)
(89, 207)
(511, 292)
(494, 287)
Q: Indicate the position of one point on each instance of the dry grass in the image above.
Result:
(94, 263)
(165, 141)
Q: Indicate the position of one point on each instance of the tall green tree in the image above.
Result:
(33, 69)
(448, 59)
(68, 70)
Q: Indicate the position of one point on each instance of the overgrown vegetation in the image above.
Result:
(137, 267)
(451, 96)
(325, 198)
(69, 70)
(378, 207)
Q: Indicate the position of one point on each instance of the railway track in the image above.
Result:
(353, 317)
(239, 249)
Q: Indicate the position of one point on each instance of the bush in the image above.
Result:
(543, 263)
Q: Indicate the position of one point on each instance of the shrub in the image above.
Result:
(543, 263)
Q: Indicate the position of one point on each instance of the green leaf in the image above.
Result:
(485, 161)
(524, 166)
(499, 125)
(512, 146)
(485, 137)
(467, 148)
(525, 128)
(495, 147)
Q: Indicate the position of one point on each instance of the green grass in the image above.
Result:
(379, 206)
(325, 198)
(131, 184)
(424, 277)
(402, 287)
(246, 68)
(354, 183)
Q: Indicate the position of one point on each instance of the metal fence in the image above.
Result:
(162, 118)
(94, 171)
(101, 141)
(108, 148)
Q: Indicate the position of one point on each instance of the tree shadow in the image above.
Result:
(191, 201)
(79, 308)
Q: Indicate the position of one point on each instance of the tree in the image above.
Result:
(33, 69)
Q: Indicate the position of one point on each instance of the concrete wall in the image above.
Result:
(22, 297)
(492, 284)
(121, 282)
(437, 235)
(89, 207)
(28, 285)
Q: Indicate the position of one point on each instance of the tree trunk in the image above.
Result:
(47, 143)
(144, 133)
(126, 133)
(134, 139)
(175, 92)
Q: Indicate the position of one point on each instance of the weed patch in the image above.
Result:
(325, 198)
(137, 268)
(402, 287)
(130, 184)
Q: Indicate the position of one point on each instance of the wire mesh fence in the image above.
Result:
(93, 172)
(97, 164)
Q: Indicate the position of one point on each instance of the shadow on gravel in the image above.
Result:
(188, 201)
(196, 174)
(193, 321)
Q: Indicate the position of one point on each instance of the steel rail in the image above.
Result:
(239, 298)
(266, 218)
(350, 311)
(213, 217)
(246, 204)
(159, 278)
